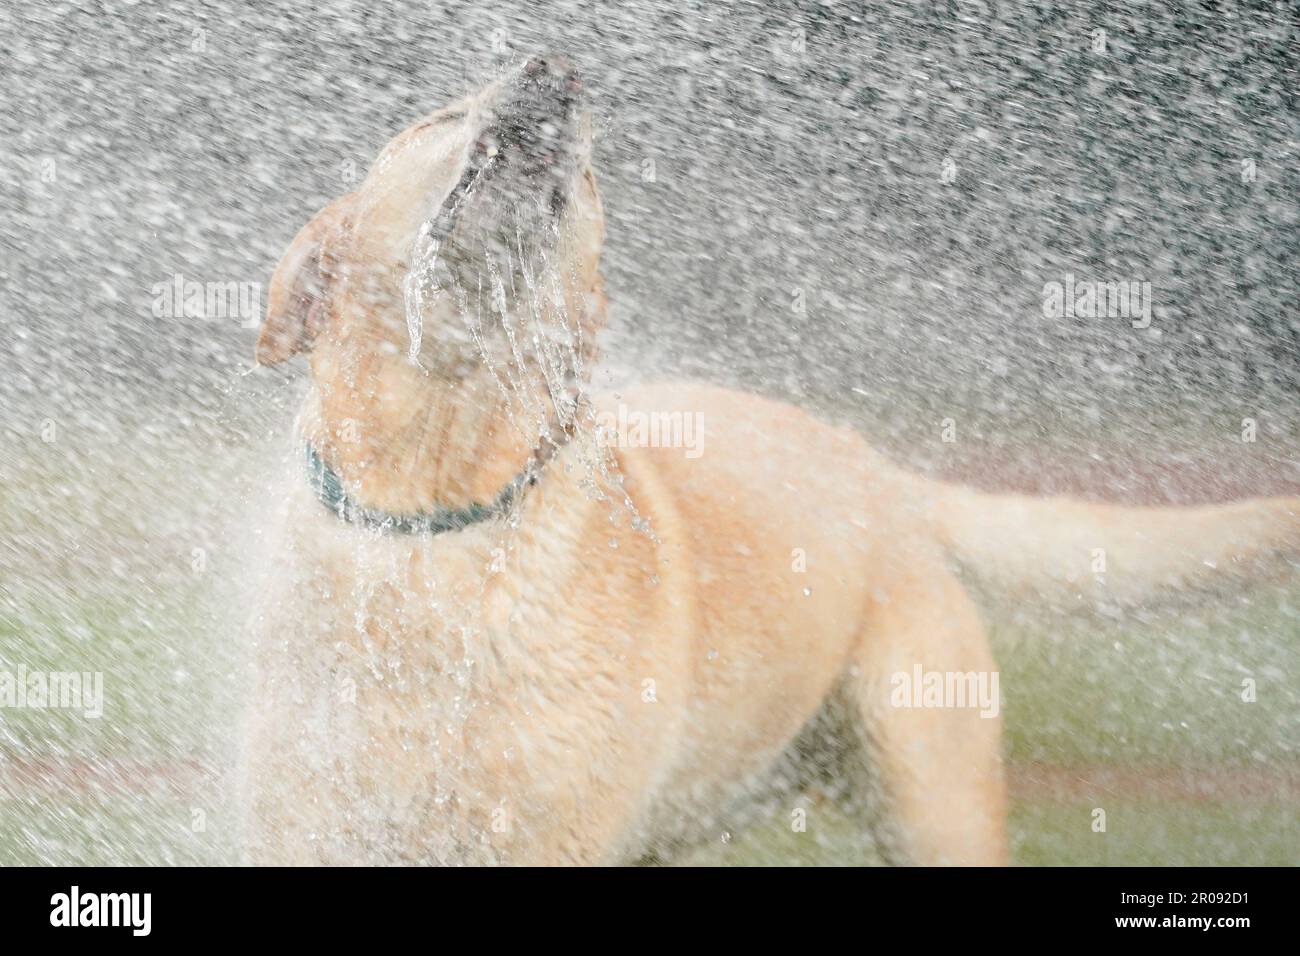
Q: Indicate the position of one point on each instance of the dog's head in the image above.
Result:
(474, 240)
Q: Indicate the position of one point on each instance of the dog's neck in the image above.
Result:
(405, 442)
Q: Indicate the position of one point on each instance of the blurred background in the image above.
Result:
(854, 207)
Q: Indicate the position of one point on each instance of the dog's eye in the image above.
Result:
(441, 120)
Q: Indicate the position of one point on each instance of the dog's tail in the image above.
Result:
(1090, 553)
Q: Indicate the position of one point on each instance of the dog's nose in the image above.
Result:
(534, 119)
(552, 70)
(546, 86)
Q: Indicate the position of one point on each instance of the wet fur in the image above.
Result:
(632, 660)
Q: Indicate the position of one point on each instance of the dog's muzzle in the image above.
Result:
(533, 125)
(524, 156)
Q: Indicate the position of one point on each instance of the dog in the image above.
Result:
(498, 630)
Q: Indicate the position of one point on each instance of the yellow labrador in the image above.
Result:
(511, 623)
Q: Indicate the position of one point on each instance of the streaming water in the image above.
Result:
(869, 210)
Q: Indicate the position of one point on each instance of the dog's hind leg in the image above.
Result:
(942, 797)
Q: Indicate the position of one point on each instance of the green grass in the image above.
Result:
(157, 690)
(1154, 706)
(1156, 697)
(117, 831)
(1142, 833)
(1052, 833)
(828, 838)
(1160, 697)
(1165, 692)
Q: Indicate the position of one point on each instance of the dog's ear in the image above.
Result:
(297, 305)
